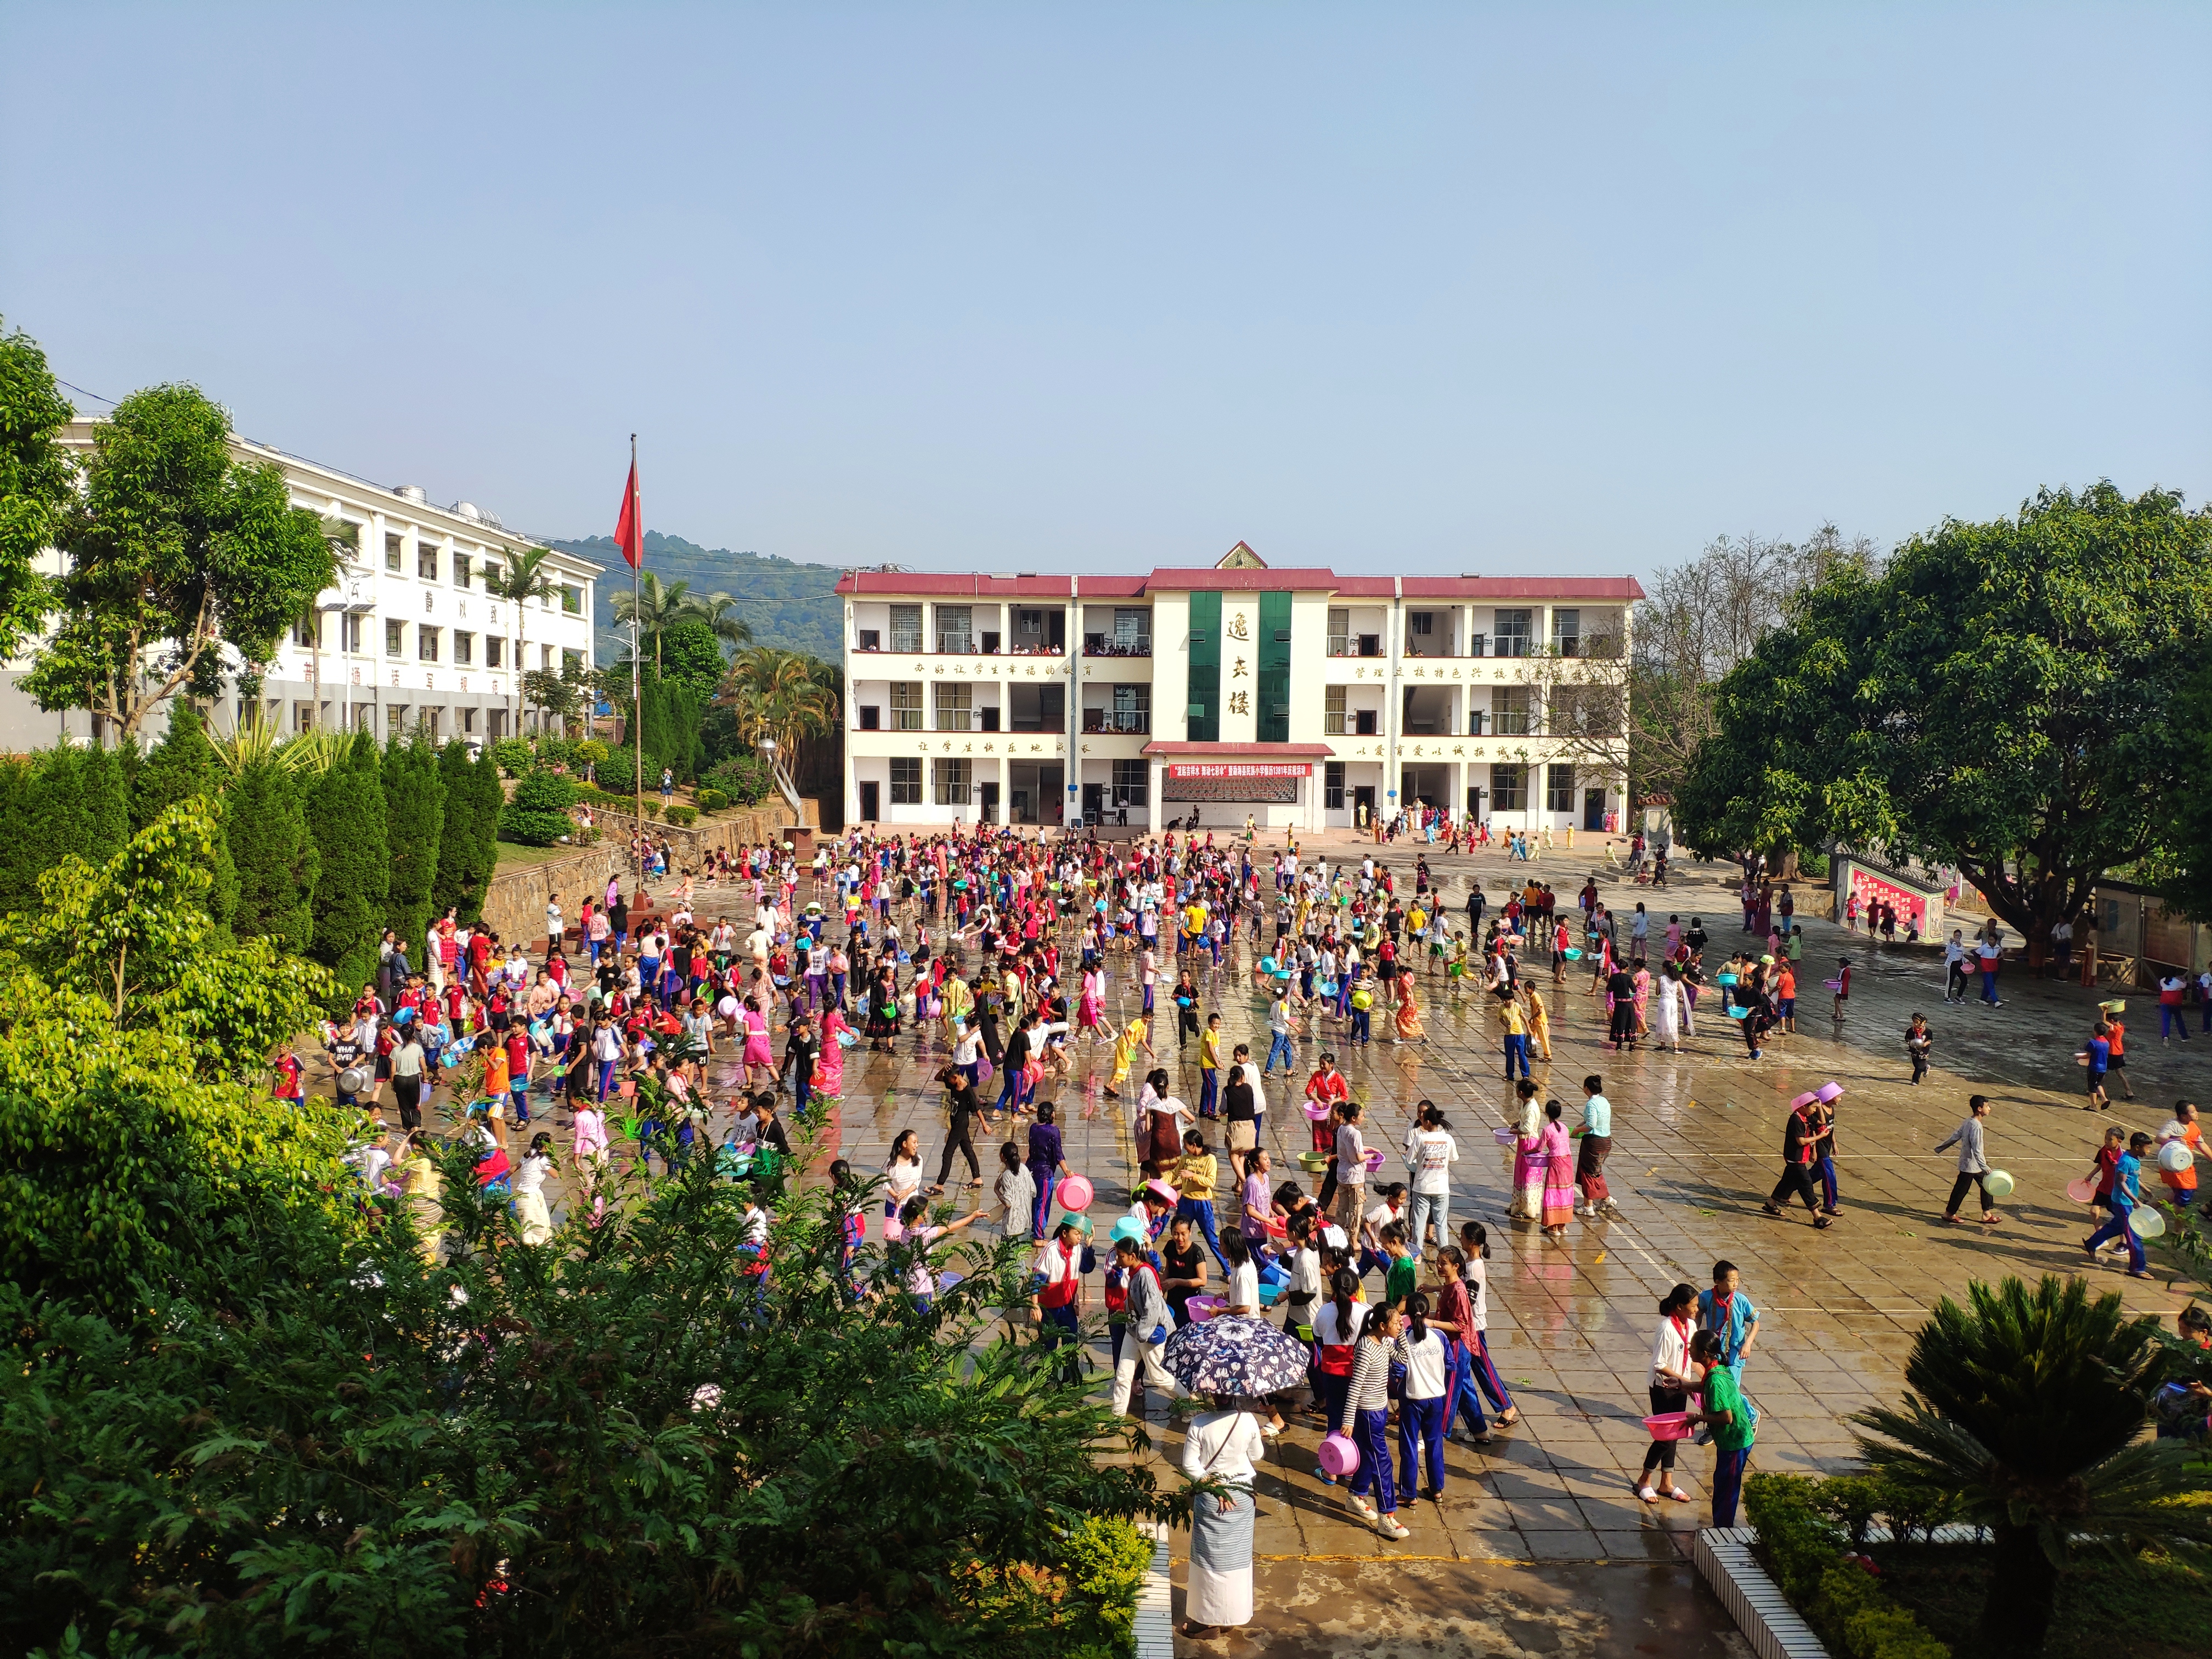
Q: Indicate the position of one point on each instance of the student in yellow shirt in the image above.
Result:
(1209, 1068)
(1540, 1022)
(1133, 1038)
(1194, 1176)
(1517, 1033)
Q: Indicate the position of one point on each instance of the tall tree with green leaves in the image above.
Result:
(718, 611)
(1999, 697)
(691, 656)
(37, 483)
(176, 550)
(521, 581)
(264, 816)
(414, 819)
(353, 883)
(655, 608)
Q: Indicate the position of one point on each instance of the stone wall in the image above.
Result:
(516, 904)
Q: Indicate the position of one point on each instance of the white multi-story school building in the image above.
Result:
(1299, 697)
(407, 635)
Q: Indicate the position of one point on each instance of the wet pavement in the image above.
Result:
(1538, 1543)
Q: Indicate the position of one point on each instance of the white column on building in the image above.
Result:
(1153, 806)
(1393, 624)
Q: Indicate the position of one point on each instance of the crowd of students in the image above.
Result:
(991, 957)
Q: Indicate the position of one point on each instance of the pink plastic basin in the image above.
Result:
(1669, 1425)
(1203, 1308)
(2082, 1191)
(1338, 1456)
(1074, 1193)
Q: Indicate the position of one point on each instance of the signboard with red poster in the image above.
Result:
(1916, 908)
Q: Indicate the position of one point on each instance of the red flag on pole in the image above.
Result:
(629, 529)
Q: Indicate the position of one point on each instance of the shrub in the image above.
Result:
(538, 816)
(590, 749)
(1813, 866)
(1843, 1603)
(512, 756)
(594, 1446)
(682, 816)
(712, 800)
(744, 778)
(651, 806)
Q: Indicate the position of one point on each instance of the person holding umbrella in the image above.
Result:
(1221, 1445)
(1229, 1361)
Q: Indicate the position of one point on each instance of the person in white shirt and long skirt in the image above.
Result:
(1223, 1445)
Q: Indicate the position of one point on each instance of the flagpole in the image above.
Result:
(637, 698)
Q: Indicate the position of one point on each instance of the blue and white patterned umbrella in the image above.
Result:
(1233, 1354)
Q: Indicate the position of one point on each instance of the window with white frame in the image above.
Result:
(952, 781)
(906, 705)
(906, 627)
(955, 707)
(906, 780)
(1560, 787)
(1332, 711)
(1508, 785)
(1132, 783)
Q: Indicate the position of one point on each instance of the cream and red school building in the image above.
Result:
(1299, 697)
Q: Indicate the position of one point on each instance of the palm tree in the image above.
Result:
(655, 608)
(714, 610)
(522, 581)
(2025, 1413)
(779, 698)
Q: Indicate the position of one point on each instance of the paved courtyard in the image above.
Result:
(1538, 1543)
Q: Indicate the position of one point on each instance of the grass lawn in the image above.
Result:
(513, 855)
(2106, 1607)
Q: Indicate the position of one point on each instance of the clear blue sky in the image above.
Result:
(1055, 287)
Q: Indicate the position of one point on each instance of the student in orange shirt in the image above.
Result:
(2118, 1064)
(1786, 994)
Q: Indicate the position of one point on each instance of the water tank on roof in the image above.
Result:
(411, 492)
(467, 510)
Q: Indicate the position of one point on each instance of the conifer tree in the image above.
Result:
(414, 802)
(265, 826)
(353, 883)
(183, 765)
(465, 843)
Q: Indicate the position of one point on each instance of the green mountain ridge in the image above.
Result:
(790, 606)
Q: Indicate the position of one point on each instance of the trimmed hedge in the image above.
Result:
(682, 816)
(1812, 1558)
(711, 801)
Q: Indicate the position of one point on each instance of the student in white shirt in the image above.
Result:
(1430, 1153)
(530, 1190)
(1421, 1412)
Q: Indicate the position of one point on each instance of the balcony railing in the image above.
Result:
(1355, 645)
(1098, 645)
(1111, 719)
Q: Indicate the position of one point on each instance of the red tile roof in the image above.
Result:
(1243, 750)
(896, 584)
